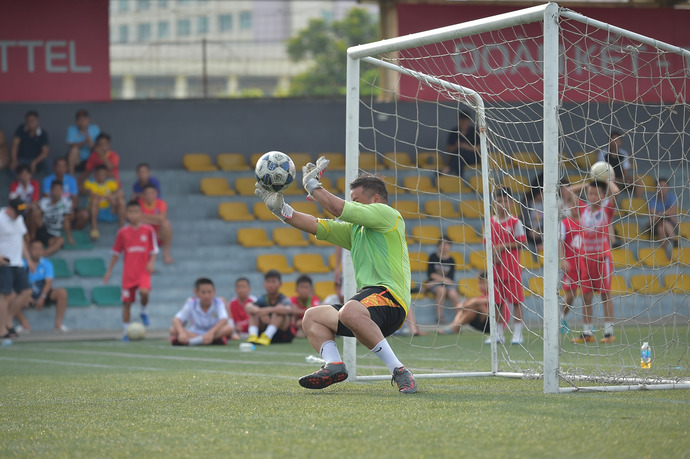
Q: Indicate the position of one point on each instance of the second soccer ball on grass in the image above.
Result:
(275, 171)
(136, 331)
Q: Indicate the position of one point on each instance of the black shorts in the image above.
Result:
(283, 336)
(44, 236)
(482, 323)
(13, 278)
(385, 311)
(47, 302)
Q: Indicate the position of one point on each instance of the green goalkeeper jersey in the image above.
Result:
(375, 236)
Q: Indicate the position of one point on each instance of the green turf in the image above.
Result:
(149, 399)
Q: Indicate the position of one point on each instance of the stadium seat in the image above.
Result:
(289, 289)
(262, 213)
(684, 230)
(429, 160)
(198, 162)
(449, 184)
(677, 283)
(306, 207)
(623, 258)
(341, 185)
(234, 212)
(646, 284)
(478, 260)
(396, 160)
(475, 183)
(653, 257)
(392, 184)
(310, 263)
(635, 206)
(317, 242)
(460, 264)
(245, 186)
(441, 209)
(646, 182)
(584, 160)
(106, 295)
(472, 208)
(76, 298)
(463, 234)
(529, 261)
(337, 161)
(418, 184)
(535, 286)
(60, 268)
(325, 182)
(89, 267)
(427, 234)
(500, 161)
(254, 158)
(82, 241)
(232, 162)
(517, 183)
(627, 231)
(331, 261)
(418, 262)
(216, 186)
(253, 237)
(300, 159)
(289, 237)
(527, 160)
(323, 289)
(681, 255)
(266, 262)
(295, 189)
(407, 209)
(368, 161)
(469, 287)
(618, 285)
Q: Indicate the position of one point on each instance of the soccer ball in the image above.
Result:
(275, 171)
(136, 331)
(601, 171)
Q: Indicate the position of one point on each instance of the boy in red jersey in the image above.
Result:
(570, 241)
(596, 265)
(236, 307)
(507, 237)
(155, 213)
(138, 243)
(304, 300)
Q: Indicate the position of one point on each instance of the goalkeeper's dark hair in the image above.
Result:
(203, 281)
(603, 186)
(371, 184)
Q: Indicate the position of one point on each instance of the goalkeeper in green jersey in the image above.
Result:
(374, 233)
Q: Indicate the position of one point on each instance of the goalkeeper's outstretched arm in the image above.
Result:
(309, 223)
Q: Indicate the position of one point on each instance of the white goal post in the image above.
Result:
(551, 141)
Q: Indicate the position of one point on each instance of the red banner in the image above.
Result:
(507, 65)
(54, 51)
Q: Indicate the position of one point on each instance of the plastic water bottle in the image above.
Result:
(645, 356)
(247, 347)
(7, 342)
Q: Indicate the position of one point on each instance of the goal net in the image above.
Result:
(548, 92)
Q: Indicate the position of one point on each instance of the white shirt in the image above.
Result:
(11, 237)
(53, 213)
(199, 321)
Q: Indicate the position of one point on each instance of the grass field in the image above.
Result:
(149, 399)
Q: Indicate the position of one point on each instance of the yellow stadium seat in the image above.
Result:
(500, 161)
(418, 262)
(427, 234)
(331, 261)
(368, 161)
(681, 256)
(395, 160)
(254, 158)
(440, 209)
(262, 213)
(289, 237)
(234, 212)
(684, 229)
(460, 264)
(475, 183)
(584, 160)
(653, 257)
(478, 260)
(528, 261)
(253, 237)
(407, 209)
(677, 283)
(300, 160)
(517, 183)
(576, 179)
(198, 162)
(325, 182)
(527, 160)
(646, 182)
(623, 258)
(341, 185)
(216, 186)
(472, 208)
(618, 285)
(449, 184)
(306, 207)
(317, 242)
(289, 289)
(245, 186)
(646, 284)
(469, 287)
(429, 160)
(628, 231)
(634, 206)
(535, 286)
(310, 263)
(266, 262)
(232, 162)
(463, 234)
(337, 161)
(295, 189)
(323, 289)
(416, 184)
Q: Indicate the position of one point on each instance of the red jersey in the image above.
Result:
(29, 193)
(505, 232)
(138, 244)
(313, 301)
(595, 229)
(157, 208)
(94, 161)
(570, 234)
(238, 314)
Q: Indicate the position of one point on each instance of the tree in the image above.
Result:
(326, 45)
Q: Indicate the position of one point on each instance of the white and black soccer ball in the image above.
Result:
(136, 331)
(601, 171)
(275, 171)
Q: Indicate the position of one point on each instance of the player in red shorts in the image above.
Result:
(507, 237)
(570, 241)
(596, 265)
(138, 243)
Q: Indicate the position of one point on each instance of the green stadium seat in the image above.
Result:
(76, 298)
(60, 268)
(82, 241)
(89, 267)
(106, 295)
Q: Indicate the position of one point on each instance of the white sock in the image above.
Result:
(271, 330)
(196, 341)
(384, 352)
(608, 328)
(329, 352)
(254, 330)
(588, 329)
(124, 326)
(517, 332)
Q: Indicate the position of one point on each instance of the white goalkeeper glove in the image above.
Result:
(275, 203)
(311, 175)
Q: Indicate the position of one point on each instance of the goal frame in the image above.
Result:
(549, 15)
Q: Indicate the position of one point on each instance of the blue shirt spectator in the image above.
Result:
(37, 279)
(69, 185)
(81, 138)
(144, 178)
(659, 204)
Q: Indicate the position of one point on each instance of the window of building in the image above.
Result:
(143, 4)
(184, 2)
(184, 27)
(245, 20)
(163, 29)
(225, 22)
(202, 25)
(123, 34)
(123, 5)
(162, 3)
(143, 32)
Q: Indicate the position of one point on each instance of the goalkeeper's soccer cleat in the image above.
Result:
(263, 339)
(253, 339)
(583, 338)
(330, 373)
(405, 381)
(608, 339)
